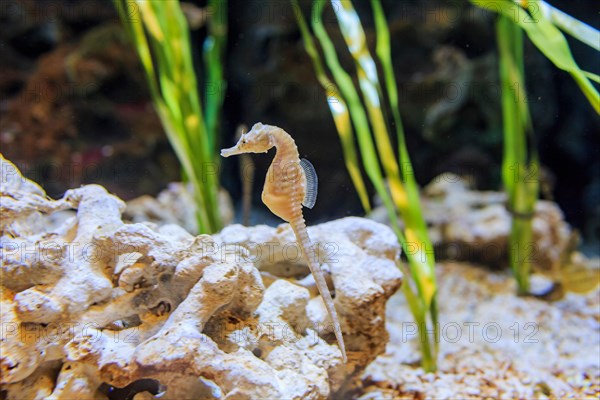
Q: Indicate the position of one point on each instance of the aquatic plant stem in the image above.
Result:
(520, 163)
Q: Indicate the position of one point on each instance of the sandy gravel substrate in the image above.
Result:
(493, 344)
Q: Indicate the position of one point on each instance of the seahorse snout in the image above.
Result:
(232, 151)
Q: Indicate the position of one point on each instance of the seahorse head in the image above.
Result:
(258, 140)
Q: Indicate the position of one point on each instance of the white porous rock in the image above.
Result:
(91, 304)
(474, 226)
(359, 258)
(174, 205)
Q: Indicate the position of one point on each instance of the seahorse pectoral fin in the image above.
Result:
(312, 183)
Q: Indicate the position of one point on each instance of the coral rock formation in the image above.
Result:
(93, 307)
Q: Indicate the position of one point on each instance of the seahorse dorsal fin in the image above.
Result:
(310, 197)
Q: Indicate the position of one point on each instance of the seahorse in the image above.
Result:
(290, 184)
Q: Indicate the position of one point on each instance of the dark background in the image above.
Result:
(74, 107)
